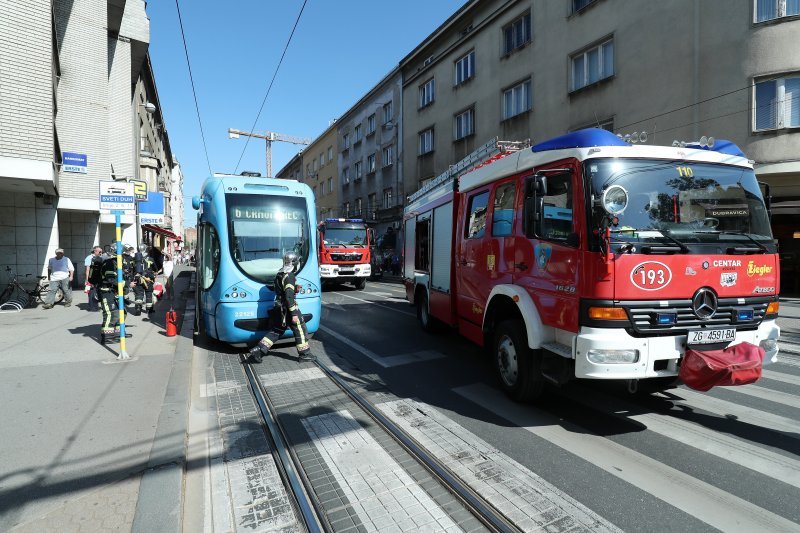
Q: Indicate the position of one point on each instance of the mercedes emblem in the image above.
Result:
(704, 303)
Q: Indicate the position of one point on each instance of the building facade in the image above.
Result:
(369, 145)
(521, 69)
(320, 162)
(68, 71)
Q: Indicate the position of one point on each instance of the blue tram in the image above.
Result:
(244, 226)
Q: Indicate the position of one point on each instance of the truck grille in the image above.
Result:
(643, 315)
(346, 257)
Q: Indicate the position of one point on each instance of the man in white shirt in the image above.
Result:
(60, 272)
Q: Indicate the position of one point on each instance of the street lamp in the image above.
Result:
(149, 107)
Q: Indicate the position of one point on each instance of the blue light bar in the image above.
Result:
(586, 138)
(664, 319)
(720, 145)
(344, 220)
(743, 315)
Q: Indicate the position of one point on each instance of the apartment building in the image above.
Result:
(677, 70)
(320, 161)
(68, 73)
(369, 145)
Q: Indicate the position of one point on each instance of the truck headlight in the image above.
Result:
(613, 356)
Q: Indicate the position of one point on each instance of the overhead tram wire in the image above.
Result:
(264, 101)
(194, 92)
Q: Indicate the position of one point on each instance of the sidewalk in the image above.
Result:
(86, 438)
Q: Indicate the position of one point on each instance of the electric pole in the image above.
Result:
(268, 136)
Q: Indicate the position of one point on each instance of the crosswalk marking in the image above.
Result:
(780, 376)
(764, 393)
(381, 492)
(379, 304)
(506, 484)
(713, 506)
(719, 444)
(747, 415)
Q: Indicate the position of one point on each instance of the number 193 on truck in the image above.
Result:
(587, 257)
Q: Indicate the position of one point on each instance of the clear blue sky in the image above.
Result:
(340, 50)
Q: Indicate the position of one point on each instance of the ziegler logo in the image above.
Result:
(757, 270)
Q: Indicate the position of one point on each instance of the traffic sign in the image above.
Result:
(140, 189)
(117, 197)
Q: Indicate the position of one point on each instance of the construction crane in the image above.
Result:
(269, 137)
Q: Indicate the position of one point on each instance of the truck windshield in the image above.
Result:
(350, 237)
(690, 202)
(262, 229)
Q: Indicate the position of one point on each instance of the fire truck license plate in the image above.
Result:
(711, 336)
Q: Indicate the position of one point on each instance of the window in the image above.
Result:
(346, 175)
(346, 209)
(555, 221)
(345, 141)
(357, 134)
(358, 170)
(517, 34)
(387, 112)
(464, 124)
(330, 153)
(387, 198)
(321, 159)
(209, 255)
(422, 245)
(357, 210)
(465, 68)
(372, 204)
(577, 5)
(777, 104)
(322, 189)
(503, 212)
(426, 93)
(388, 156)
(517, 99)
(426, 141)
(330, 185)
(476, 223)
(314, 164)
(371, 163)
(371, 124)
(773, 9)
(593, 65)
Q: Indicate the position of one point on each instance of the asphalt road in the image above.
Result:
(727, 460)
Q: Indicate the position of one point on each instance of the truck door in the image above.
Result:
(547, 263)
(471, 262)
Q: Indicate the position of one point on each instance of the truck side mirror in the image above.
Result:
(765, 192)
(540, 184)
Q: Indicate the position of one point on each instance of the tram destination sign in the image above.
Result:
(117, 197)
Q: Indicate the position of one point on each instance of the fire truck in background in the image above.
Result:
(344, 251)
(590, 257)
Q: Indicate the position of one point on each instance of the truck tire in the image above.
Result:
(519, 369)
(427, 322)
(360, 283)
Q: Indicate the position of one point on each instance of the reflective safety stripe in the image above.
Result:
(293, 308)
(287, 286)
(303, 347)
(266, 342)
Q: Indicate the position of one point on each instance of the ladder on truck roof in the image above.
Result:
(492, 148)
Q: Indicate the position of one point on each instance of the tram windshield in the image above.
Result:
(262, 229)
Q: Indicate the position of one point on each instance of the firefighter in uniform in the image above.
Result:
(144, 278)
(285, 311)
(107, 293)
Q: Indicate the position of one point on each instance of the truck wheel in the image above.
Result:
(518, 367)
(360, 283)
(427, 322)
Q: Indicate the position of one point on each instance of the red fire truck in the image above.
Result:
(586, 256)
(344, 251)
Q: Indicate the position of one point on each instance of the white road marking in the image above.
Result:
(719, 444)
(270, 379)
(747, 415)
(523, 497)
(380, 491)
(379, 305)
(780, 376)
(764, 393)
(332, 307)
(713, 506)
(385, 362)
(789, 360)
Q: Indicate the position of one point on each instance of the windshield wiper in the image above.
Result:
(264, 250)
(658, 248)
(738, 249)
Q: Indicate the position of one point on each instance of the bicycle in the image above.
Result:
(17, 297)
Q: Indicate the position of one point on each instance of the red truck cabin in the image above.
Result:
(588, 257)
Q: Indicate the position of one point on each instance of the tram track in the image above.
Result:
(308, 507)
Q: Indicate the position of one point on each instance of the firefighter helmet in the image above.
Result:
(290, 262)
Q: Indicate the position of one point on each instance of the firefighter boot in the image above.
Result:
(307, 356)
(255, 354)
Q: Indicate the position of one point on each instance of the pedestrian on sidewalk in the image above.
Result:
(285, 311)
(90, 289)
(168, 267)
(60, 272)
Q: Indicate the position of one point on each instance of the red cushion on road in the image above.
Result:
(736, 365)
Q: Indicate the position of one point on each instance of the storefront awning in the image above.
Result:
(161, 231)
